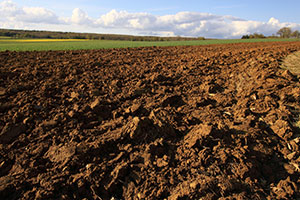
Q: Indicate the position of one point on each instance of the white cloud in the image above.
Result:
(37, 15)
(8, 9)
(182, 23)
(11, 13)
(80, 17)
(124, 19)
(190, 24)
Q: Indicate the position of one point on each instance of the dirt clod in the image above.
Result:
(11, 131)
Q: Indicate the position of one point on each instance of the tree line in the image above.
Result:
(91, 36)
(285, 32)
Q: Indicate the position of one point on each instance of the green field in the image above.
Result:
(44, 45)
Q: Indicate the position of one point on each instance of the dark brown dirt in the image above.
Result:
(207, 122)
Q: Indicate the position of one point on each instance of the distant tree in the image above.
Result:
(273, 36)
(285, 32)
(257, 35)
(245, 37)
(88, 36)
(253, 36)
(296, 34)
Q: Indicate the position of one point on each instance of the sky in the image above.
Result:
(190, 18)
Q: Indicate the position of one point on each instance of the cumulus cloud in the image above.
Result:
(190, 24)
(182, 23)
(8, 9)
(12, 13)
(80, 17)
(38, 15)
(124, 19)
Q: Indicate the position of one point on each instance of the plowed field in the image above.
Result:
(202, 122)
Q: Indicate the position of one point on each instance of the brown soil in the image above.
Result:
(207, 122)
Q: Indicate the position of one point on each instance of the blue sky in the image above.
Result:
(111, 16)
(284, 10)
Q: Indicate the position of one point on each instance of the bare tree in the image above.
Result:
(296, 34)
(285, 32)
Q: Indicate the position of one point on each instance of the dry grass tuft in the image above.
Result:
(292, 63)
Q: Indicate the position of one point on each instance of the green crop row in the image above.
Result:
(13, 45)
